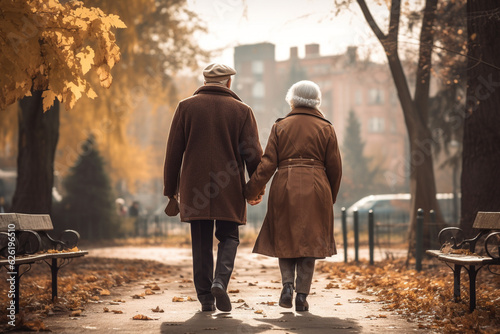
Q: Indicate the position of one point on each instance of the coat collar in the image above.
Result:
(306, 111)
(216, 89)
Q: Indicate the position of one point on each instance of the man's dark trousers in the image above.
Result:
(203, 262)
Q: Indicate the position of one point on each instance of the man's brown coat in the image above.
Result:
(213, 137)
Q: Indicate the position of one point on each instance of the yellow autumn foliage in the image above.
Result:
(50, 45)
(130, 120)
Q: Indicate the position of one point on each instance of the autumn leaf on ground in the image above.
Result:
(155, 287)
(117, 311)
(104, 292)
(118, 300)
(105, 309)
(176, 299)
(338, 304)
(35, 325)
(141, 296)
(157, 309)
(252, 284)
(359, 300)
(149, 292)
(234, 291)
(268, 303)
(142, 317)
(239, 301)
(245, 307)
(332, 286)
(259, 311)
(76, 313)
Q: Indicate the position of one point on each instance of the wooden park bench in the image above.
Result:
(24, 240)
(460, 252)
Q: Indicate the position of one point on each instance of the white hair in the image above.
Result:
(304, 93)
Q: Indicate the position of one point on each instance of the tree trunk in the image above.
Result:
(415, 110)
(38, 135)
(481, 144)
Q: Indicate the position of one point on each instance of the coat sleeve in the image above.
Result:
(333, 163)
(249, 145)
(266, 168)
(173, 157)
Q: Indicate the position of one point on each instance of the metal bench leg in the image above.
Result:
(54, 269)
(456, 282)
(472, 288)
(17, 277)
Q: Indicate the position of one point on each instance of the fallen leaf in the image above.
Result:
(104, 292)
(141, 296)
(117, 311)
(234, 291)
(76, 313)
(141, 317)
(259, 311)
(157, 309)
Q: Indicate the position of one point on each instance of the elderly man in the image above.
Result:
(213, 137)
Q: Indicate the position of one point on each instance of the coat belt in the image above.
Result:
(300, 162)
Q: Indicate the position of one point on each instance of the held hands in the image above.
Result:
(257, 200)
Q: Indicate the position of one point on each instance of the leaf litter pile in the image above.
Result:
(84, 280)
(423, 297)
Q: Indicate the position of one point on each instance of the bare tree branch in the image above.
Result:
(371, 21)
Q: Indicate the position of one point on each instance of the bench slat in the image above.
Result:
(25, 259)
(462, 259)
(25, 222)
(487, 220)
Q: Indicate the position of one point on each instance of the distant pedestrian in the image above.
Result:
(213, 137)
(298, 227)
(133, 212)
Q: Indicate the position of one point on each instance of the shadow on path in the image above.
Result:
(289, 322)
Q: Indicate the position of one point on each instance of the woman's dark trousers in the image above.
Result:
(304, 266)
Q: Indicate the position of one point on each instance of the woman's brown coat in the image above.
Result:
(299, 221)
(213, 137)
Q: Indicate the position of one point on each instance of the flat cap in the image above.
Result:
(217, 72)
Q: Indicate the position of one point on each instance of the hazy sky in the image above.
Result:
(285, 24)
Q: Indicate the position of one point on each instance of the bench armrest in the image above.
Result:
(456, 237)
(492, 245)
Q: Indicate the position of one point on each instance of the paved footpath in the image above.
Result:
(255, 292)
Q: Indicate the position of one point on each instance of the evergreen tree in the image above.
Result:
(357, 179)
(89, 202)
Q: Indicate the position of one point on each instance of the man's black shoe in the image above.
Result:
(221, 298)
(207, 307)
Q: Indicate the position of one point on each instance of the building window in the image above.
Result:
(394, 98)
(375, 96)
(358, 97)
(257, 67)
(258, 90)
(376, 124)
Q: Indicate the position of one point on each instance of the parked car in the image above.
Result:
(394, 209)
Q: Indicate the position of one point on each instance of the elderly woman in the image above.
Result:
(298, 227)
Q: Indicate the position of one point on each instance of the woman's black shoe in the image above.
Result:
(301, 303)
(286, 295)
